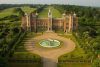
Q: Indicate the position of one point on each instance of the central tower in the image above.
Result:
(49, 20)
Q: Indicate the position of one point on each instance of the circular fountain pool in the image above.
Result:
(49, 43)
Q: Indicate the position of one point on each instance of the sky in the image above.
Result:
(70, 2)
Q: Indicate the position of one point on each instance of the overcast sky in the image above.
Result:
(72, 2)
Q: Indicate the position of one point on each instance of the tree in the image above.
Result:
(96, 63)
(15, 30)
(3, 62)
(20, 11)
(96, 45)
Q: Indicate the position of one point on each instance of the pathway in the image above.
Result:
(49, 56)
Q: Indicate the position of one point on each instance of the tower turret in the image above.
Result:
(64, 20)
(70, 27)
(49, 20)
(49, 13)
(26, 22)
(34, 21)
(75, 22)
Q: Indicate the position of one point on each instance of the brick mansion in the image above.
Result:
(67, 23)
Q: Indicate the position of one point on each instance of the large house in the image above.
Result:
(67, 23)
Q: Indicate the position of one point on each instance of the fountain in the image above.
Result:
(49, 43)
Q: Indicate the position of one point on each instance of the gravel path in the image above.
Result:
(49, 56)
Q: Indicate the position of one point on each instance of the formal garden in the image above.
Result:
(12, 38)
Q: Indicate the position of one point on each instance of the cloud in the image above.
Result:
(73, 2)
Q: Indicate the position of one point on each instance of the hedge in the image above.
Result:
(16, 42)
(25, 57)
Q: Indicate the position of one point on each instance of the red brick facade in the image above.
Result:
(67, 23)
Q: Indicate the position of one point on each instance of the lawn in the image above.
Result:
(74, 65)
(77, 55)
(28, 9)
(24, 59)
(55, 13)
(78, 52)
(7, 12)
(25, 65)
(10, 11)
(29, 35)
(38, 45)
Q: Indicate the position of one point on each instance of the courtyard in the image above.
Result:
(49, 55)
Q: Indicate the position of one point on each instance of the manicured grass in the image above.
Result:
(10, 11)
(27, 9)
(77, 55)
(74, 65)
(26, 60)
(25, 65)
(22, 54)
(7, 12)
(38, 45)
(78, 52)
(26, 56)
(21, 48)
(55, 12)
(29, 35)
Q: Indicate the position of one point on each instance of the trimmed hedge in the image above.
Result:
(9, 48)
(25, 57)
(16, 42)
(78, 55)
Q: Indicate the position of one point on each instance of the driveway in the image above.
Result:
(50, 55)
